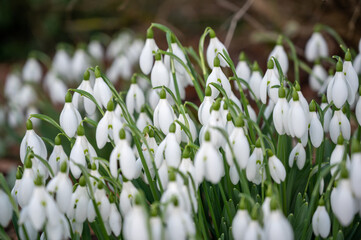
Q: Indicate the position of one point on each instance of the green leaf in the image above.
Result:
(49, 120)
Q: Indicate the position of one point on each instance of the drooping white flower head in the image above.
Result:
(62, 187)
(115, 219)
(81, 149)
(277, 226)
(6, 209)
(208, 162)
(239, 145)
(268, 82)
(343, 203)
(280, 113)
(255, 170)
(355, 176)
(103, 203)
(69, 117)
(327, 115)
(102, 93)
(32, 71)
(84, 102)
(163, 115)
(298, 155)
(240, 221)
(58, 156)
(135, 97)
(108, 127)
(26, 184)
(123, 157)
(297, 118)
(315, 127)
(338, 90)
(96, 50)
(255, 81)
(160, 74)
(55, 86)
(280, 54)
(136, 222)
(276, 168)
(204, 110)
(254, 231)
(146, 57)
(127, 197)
(12, 85)
(339, 124)
(143, 119)
(79, 201)
(187, 121)
(351, 77)
(316, 47)
(62, 63)
(120, 68)
(243, 71)
(215, 47)
(217, 76)
(327, 81)
(79, 63)
(318, 77)
(321, 223)
(337, 156)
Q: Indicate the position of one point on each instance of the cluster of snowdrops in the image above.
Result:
(255, 160)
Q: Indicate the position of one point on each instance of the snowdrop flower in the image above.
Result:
(102, 93)
(298, 122)
(120, 68)
(79, 63)
(351, 77)
(204, 110)
(78, 208)
(298, 155)
(280, 54)
(338, 154)
(321, 223)
(136, 222)
(358, 109)
(242, 70)
(156, 225)
(315, 127)
(115, 219)
(96, 50)
(159, 75)
(218, 77)
(239, 145)
(108, 126)
(177, 51)
(163, 115)
(146, 56)
(191, 126)
(62, 62)
(327, 115)
(208, 162)
(26, 184)
(12, 85)
(255, 81)
(186, 167)
(56, 87)
(127, 197)
(153, 98)
(343, 202)
(180, 225)
(15, 189)
(103, 204)
(169, 150)
(33, 141)
(355, 167)
(58, 156)
(276, 168)
(32, 71)
(81, 101)
(7, 209)
(318, 77)
(277, 226)
(78, 153)
(338, 91)
(339, 124)
(255, 170)
(215, 47)
(254, 230)
(124, 155)
(25, 97)
(357, 61)
(240, 221)
(280, 113)
(327, 81)
(269, 80)
(316, 47)
(143, 119)
(69, 117)
(134, 51)
(135, 97)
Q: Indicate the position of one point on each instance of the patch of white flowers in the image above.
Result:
(149, 164)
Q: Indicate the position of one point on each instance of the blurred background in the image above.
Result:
(251, 26)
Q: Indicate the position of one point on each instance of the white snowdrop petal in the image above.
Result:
(101, 134)
(316, 132)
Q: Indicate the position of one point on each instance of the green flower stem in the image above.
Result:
(201, 52)
(282, 155)
(210, 208)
